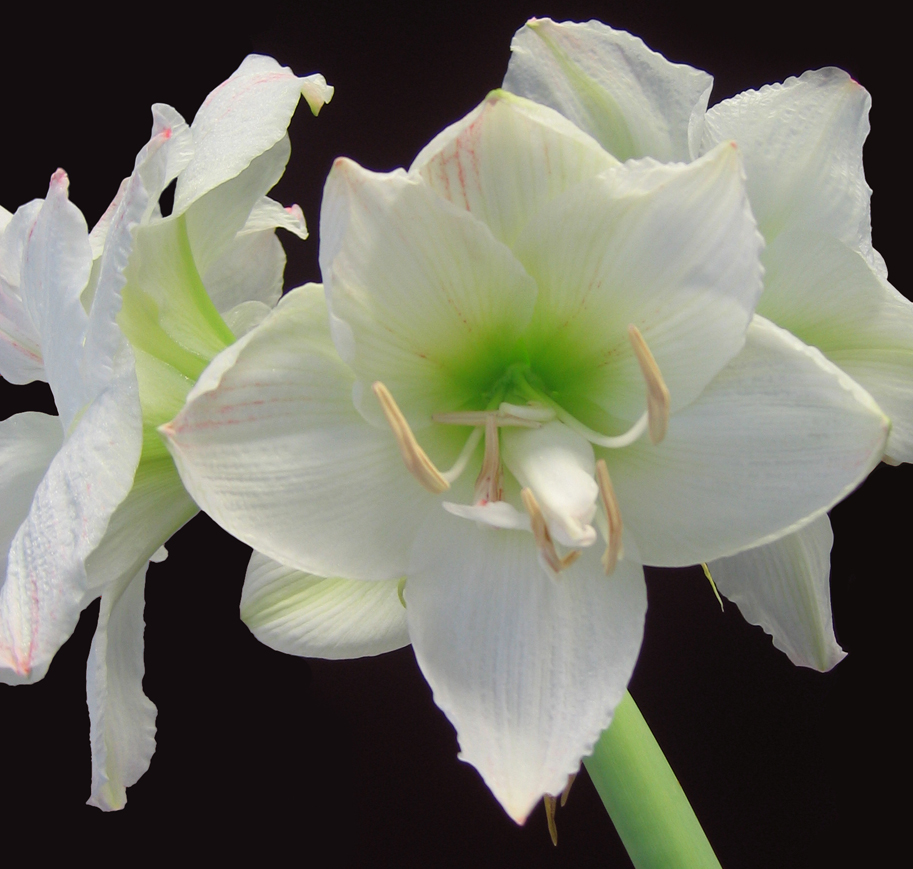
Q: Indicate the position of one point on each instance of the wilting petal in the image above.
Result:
(633, 101)
(271, 446)
(20, 342)
(826, 293)
(45, 586)
(242, 118)
(780, 436)
(506, 159)
(121, 716)
(558, 465)
(312, 616)
(527, 668)
(596, 258)
(802, 146)
(783, 587)
(430, 303)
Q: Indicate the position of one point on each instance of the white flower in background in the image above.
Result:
(120, 322)
(513, 332)
(801, 143)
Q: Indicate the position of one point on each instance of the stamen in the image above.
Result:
(533, 412)
(488, 483)
(567, 788)
(543, 537)
(480, 417)
(613, 518)
(465, 455)
(415, 458)
(657, 393)
(550, 802)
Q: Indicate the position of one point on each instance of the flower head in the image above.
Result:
(523, 346)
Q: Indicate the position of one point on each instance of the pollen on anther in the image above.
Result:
(657, 392)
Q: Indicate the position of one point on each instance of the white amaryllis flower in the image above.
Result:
(120, 322)
(802, 146)
(522, 322)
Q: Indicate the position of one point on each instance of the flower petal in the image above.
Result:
(313, 616)
(802, 146)
(250, 269)
(670, 249)
(121, 716)
(783, 587)
(828, 295)
(429, 302)
(271, 446)
(242, 118)
(506, 159)
(776, 439)
(527, 668)
(633, 101)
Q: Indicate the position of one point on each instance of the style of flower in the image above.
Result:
(801, 143)
(522, 344)
(120, 322)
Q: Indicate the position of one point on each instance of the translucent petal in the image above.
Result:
(121, 716)
(784, 587)
(528, 669)
(633, 101)
(312, 616)
(779, 437)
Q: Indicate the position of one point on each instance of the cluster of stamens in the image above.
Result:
(488, 486)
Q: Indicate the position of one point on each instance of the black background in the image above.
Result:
(350, 763)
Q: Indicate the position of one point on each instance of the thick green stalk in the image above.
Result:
(643, 797)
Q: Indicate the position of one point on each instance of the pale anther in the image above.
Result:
(543, 537)
(415, 458)
(550, 803)
(488, 483)
(613, 518)
(657, 393)
(567, 788)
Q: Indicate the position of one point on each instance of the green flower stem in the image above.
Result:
(643, 797)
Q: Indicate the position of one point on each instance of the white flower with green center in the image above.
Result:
(523, 345)
(801, 142)
(121, 322)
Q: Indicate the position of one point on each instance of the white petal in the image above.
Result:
(20, 342)
(670, 249)
(433, 304)
(121, 716)
(242, 119)
(269, 214)
(629, 98)
(312, 616)
(506, 159)
(779, 437)
(271, 446)
(56, 263)
(497, 514)
(527, 668)
(559, 466)
(45, 586)
(783, 587)
(28, 443)
(250, 269)
(829, 296)
(802, 145)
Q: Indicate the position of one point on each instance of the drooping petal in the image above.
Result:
(269, 214)
(527, 668)
(426, 300)
(776, 439)
(45, 587)
(28, 443)
(783, 587)
(633, 101)
(121, 716)
(559, 466)
(506, 159)
(802, 145)
(242, 118)
(271, 446)
(56, 263)
(670, 249)
(313, 616)
(825, 293)
(20, 343)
